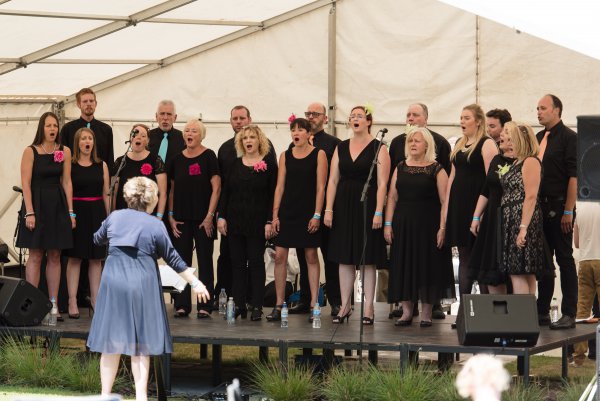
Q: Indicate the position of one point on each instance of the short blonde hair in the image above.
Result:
(427, 137)
(200, 125)
(482, 371)
(140, 193)
(263, 142)
(523, 140)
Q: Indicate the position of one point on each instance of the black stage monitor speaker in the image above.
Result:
(588, 158)
(497, 320)
(21, 304)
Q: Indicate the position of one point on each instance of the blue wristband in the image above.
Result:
(476, 218)
(170, 213)
(567, 212)
(159, 215)
(73, 215)
(316, 216)
(387, 223)
(379, 214)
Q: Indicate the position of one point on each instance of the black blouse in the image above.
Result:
(191, 176)
(147, 167)
(247, 198)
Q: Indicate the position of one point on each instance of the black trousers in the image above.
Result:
(193, 236)
(332, 273)
(248, 267)
(561, 246)
(223, 268)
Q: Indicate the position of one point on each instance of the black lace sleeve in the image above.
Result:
(159, 166)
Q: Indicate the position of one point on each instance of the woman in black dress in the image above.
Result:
(524, 254)
(296, 209)
(195, 189)
(471, 159)
(46, 227)
(245, 210)
(344, 212)
(484, 265)
(420, 264)
(90, 179)
(140, 162)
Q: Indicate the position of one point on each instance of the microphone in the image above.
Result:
(17, 189)
(382, 131)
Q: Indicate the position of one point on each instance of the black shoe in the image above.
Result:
(565, 322)
(544, 320)
(395, 313)
(275, 315)
(335, 310)
(299, 309)
(425, 323)
(403, 323)
(256, 314)
(243, 313)
(438, 314)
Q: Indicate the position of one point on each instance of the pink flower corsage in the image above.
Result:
(291, 118)
(59, 156)
(194, 169)
(146, 169)
(260, 167)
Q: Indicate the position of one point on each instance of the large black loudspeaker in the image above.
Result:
(498, 320)
(21, 304)
(588, 158)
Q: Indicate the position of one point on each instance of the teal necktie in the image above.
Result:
(88, 125)
(164, 144)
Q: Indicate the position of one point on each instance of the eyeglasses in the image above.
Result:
(309, 114)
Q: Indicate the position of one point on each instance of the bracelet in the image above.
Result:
(568, 212)
(379, 214)
(221, 218)
(70, 210)
(212, 214)
(73, 215)
(29, 214)
(170, 213)
(268, 222)
(328, 210)
(316, 216)
(522, 226)
(476, 218)
(159, 215)
(387, 223)
(442, 228)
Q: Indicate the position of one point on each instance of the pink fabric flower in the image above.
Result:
(146, 169)
(291, 118)
(194, 169)
(59, 156)
(260, 166)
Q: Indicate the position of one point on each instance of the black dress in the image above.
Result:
(418, 269)
(298, 202)
(346, 235)
(52, 222)
(148, 167)
(532, 258)
(88, 205)
(484, 265)
(469, 176)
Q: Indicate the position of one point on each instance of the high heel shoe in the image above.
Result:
(368, 321)
(340, 319)
(403, 323)
(275, 315)
(256, 314)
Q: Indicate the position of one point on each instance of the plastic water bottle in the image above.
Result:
(284, 315)
(53, 313)
(554, 310)
(222, 302)
(316, 316)
(230, 315)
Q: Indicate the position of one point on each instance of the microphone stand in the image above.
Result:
(363, 200)
(111, 190)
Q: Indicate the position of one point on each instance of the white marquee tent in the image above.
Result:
(276, 56)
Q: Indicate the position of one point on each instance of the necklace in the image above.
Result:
(48, 153)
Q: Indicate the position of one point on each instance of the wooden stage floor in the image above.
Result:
(382, 336)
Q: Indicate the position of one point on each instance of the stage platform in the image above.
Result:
(382, 336)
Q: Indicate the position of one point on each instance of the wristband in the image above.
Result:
(522, 226)
(568, 212)
(73, 215)
(159, 215)
(328, 210)
(29, 214)
(170, 213)
(316, 216)
(476, 218)
(379, 214)
(442, 228)
(387, 223)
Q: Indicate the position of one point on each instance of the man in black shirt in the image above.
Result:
(316, 114)
(165, 140)
(239, 118)
(417, 114)
(495, 120)
(86, 101)
(558, 193)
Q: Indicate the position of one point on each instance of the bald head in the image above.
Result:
(316, 114)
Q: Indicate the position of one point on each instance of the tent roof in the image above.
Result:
(57, 47)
